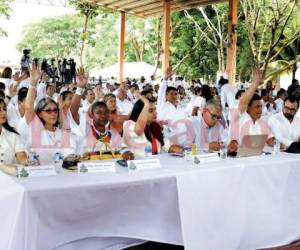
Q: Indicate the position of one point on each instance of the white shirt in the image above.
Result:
(228, 96)
(242, 125)
(196, 101)
(85, 106)
(6, 81)
(46, 143)
(40, 91)
(165, 109)
(10, 144)
(284, 131)
(125, 106)
(279, 105)
(13, 115)
(137, 143)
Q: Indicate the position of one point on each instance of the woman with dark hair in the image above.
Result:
(115, 118)
(40, 125)
(206, 93)
(6, 77)
(142, 129)
(11, 147)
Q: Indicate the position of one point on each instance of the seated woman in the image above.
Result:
(39, 127)
(116, 120)
(12, 149)
(142, 130)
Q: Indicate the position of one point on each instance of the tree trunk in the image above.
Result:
(83, 38)
(294, 69)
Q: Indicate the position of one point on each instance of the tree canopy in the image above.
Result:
(267, 33)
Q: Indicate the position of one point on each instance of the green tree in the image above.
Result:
(268, 24)
(5, 11)
(55, 37)
(88, 10)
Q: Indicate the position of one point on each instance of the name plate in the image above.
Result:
(140, 165)
(35, 171)
(205, 158)
(96, 167)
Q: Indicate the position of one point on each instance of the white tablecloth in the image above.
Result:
(231, 204)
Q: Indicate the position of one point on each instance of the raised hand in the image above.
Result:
(35, 74)
(143, 99)
(168, 73)
(81, 77)
(12, 90)
(258, 76)
(19, 78)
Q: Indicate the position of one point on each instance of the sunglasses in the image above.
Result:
(49, 111)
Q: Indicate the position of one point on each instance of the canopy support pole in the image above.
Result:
(232, 41)
(121, 46)
(166, 35)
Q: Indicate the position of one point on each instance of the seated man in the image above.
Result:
(246, 120)
(285, 125)
(168, 107)
(209, 132)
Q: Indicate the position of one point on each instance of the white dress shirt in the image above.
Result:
(196, 101)
(13, 115)
(125, 106)
(284, 131)
(10, 144)
(165, 109)
(228, 96)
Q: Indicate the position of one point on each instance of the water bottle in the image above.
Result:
(33, 159)
(58, 161)
(148, 149)
(223, 150)
(276, 148)
(188, 153)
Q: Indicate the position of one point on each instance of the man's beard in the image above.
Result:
(288, 116)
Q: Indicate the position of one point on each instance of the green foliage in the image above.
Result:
(55, 37)
(5, 11)
(195, 49)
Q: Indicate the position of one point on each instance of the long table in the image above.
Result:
(245, 203)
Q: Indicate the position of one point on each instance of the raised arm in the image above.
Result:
(161, 95)
(35, 75)
(246, 97)
(142, 120)
(81, 80)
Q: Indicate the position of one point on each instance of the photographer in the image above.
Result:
(25, 60)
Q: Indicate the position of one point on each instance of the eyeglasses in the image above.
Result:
(215, 117)
(289, 109)
(49, 111)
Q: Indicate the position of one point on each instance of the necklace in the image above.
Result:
(52, 136)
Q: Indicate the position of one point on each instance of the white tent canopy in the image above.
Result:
(131, 70)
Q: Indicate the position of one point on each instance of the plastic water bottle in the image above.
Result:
(148, 149)
(223, 150)
(276, 148)
(33, 159)
(58, 161)
(188, 153)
